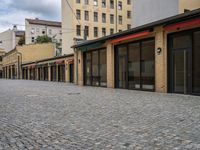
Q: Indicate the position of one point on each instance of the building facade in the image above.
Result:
(13, 60)
(2, 53)
(37, 27)
(91, 19)
(56, 69)
(9, 39)
(146, 11)
(162, 56)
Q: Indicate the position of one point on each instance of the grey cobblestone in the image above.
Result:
(38, 115)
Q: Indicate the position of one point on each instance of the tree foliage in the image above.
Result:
(21, 41)
(43, 39)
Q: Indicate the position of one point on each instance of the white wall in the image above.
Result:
(146, 11)
(7, 40)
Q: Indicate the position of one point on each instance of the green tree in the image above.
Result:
(21, 41)
(43, 39)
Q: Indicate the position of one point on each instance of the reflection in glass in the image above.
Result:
(148, 65)
(196, 63)
(103, 68)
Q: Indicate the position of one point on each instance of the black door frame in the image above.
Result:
(189, 51)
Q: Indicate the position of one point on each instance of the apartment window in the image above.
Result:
(78, 14)
(120, 5)
(87, 15)
(104, 18)
(111, 31)
(128, 26)
(78, 30)
(86, 2)
(43, 31)
(95, 16)
(50, 31)
(78, 1)
(33, 31)
(129, 2)
(111, 19)
(95, 2)
(129, 14)
(120, 20)
(1, 42)
(37, 30)
(112, 4)
(95, 31)
(103, 31)
(33, 39)
(87, 31)
(103, 3)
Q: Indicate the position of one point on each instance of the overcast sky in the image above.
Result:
(15, 11)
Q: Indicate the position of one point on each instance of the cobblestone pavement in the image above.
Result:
(44, 115)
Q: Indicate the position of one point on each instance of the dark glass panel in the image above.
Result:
(181, 42)
(103, 68)
(88, 69)
(95, 68)
(196, 63)
(148, 64)
(134, 66)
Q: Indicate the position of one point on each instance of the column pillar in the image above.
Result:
(49, 73)
(57, 72)
(67, 73)
(28, 73)
(110, 66)
(80, 68)
(160, 60)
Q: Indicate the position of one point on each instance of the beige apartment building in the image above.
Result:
(9, 39)
(36, 27)
(91, 19)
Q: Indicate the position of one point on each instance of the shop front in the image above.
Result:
(183, 67)
(95, 72)
(135, 65)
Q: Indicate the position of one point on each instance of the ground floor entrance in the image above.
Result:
(135, 65)
(184, 61)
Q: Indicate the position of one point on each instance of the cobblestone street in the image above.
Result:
(46, 115)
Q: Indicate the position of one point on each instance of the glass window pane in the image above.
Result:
(88, 69)
(95, 68)
(196, 63)
(148, 64)
(181, 42)
(134, 66)
(103, 68)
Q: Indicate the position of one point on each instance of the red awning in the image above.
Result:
(135, 35)
(182, 24)
(59, 62)
(70, 61)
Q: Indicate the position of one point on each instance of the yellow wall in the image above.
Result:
(36, 52)
(188, 4)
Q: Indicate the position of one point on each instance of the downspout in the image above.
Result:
(116, 16)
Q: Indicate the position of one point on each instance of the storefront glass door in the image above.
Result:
(184, 70)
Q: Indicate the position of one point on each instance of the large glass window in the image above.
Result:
(88, 69)
(147, 64)
(96, 68)
(103, 68)
(135, 65)
(196, 63)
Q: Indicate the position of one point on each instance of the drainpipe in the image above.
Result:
(116, 15)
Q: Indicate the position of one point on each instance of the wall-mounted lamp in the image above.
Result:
(159, 50)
